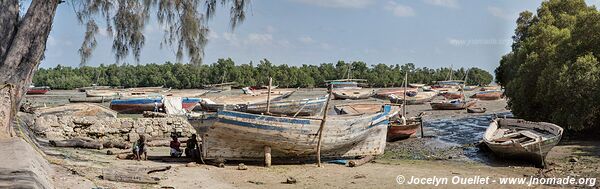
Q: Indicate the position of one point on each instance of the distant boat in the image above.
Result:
(101, 93)
(457, 104)
(416, 85)
(38, 90)
(452, 95)
(219, 87)
(92, 99)
(521, 139)
(420, 98)
(488, 95)
(349, 89)
(136, 105)
(243, 136)
(385, 93)
(304, 107)
(476, 110)
(236, 101)
(470, 88)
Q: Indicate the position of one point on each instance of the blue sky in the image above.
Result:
(429, 33)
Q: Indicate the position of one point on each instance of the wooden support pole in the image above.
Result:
(269, 95)
(323, 125)
(267, 156)
(359, 162)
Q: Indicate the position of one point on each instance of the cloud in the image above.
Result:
(499, 12)
(270, 29)
(325, 46)
(338, 3)
(306, 40)
(51, 41)
(212, 35)
(443, 3)
(399, 10)
(259, 39)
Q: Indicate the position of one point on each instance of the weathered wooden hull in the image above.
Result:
(398, 132)
(101, 93)
(476, 110)
(385, 93)
(190, 103)
(488, 95)
(419, 99)
(540, 138)
(242, 136)
(92, 99)
(236, 102)
(37, 91)
(136, 106)
(358, 108)
(353, 94)
(451, 106)
(452, 95)
(304, 107)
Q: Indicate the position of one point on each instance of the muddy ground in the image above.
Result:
(448, 150)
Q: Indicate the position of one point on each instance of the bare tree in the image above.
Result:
(23, 37)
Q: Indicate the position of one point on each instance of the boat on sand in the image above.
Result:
(521, 139)
(457, 104)
(303, 107)
(399, 131)
(488, 95)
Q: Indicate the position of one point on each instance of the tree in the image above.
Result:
(23, 38)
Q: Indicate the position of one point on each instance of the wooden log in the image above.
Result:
(127, 176)
(267, 156)
(117, 152)
(359, 162)
(147, 170)
(115, 144)
(125, 156)
(77, 143)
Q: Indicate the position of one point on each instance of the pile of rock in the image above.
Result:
(61, 126)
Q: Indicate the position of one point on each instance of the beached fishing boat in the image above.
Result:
(243, 136)
(416, 85)
(521, 139)
(190, 103)
(236, 101)
(219, 87)
(452, 95)
(37, 90)
(353, 94)
(470, 88)
(92, 99)
(385, 93)
(304, 107)
(101, 93)
(136, 105)
(457, 104)
(488, 95)
(358, 108)
(420, 98)
(398, 131)
(476, 110)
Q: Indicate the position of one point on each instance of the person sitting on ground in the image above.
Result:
(192, 148)
(175, 147)
(140, 148)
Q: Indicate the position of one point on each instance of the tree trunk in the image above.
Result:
(22, 45)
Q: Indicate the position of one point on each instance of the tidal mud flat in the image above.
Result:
(447, 150)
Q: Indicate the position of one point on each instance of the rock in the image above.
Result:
(221, 165)
(573, 160)
(133, 136)
(241, 166)
(191, 164)
(291, 180)
(359, 176)
(256, 182)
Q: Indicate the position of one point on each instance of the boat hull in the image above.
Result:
(353, 94)
(136, 106)
(451, 106)
(37, 91)
(305, 107)
(411, 100)
(190, 103)
(92, 99)
(243, 136)
(488, 96)
(452, 95)
(398, 132)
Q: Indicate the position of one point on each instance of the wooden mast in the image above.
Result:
(269, 95)
(320, 132)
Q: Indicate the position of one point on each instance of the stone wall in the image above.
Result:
(62, 127)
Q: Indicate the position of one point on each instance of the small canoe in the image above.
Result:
(452, 95)
(357, 108)
(488, 95)
(93, 99)
(452, 104)
(420, 98)
(243, 136)
(304, 107)
(38, 90)
(476, 110)
(521, 139)
(353, 94)
(397, 131)
(136, 105)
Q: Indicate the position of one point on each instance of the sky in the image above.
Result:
(428, 33)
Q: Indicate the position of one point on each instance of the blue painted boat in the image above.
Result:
(243, 136)
(136, 105)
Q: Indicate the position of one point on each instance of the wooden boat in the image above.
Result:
(452, 104)
(416, 85)
(190, 103)
(101, 93)
(219, 87)
(470, 87)
(385, 93)
(158, 89)
(358, 108)
(38, 90)
(521, 139)
(243, 136)
(452, 95)
(236, 101)
(398, 131)
(476, 110)
(304, 107)
(136, 105)
(488, 95)
(420, 98)
(353, 94)
(93, 99)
